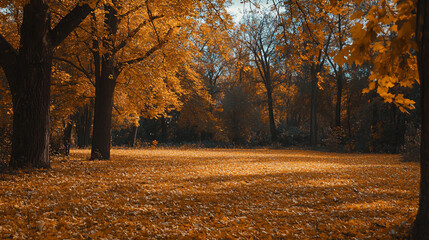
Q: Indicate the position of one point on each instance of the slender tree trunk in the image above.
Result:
(339, 78)
(313, 113)
(163, 130)
(80, 129)
(83, 126)
(349, 114)
(31, 90)
(339, 97)
(133, 135)
(273, 130)
(67, 138)
(421, 224)
(88, 124)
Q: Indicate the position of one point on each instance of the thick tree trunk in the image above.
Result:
(313, 113)
(421, 224)
(104, 90)
(103, 108)
(273, 129)
(29, 76)
(31, 90)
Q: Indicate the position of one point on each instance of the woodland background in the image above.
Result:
(194, 76)
(327, 75)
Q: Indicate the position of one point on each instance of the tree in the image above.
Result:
(421, 224)
(340, 27)
(306, 37)
(261, 40)
(28, 71)
(167, 24)
(400, 56)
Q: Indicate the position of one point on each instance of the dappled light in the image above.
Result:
(214, 119)
(212, 194)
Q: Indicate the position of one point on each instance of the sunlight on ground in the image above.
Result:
(212, 194)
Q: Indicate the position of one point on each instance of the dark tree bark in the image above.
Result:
(102, 118)
(83, 126)
(315, 69)
(339, 76)
(421, 224)
(164, 136)
(67, 138)
(349, 114)
(89, 112)
(29, 75)
(107, 70)
(261, 41)
(313, 107)
(31, 90)
(339, 97)
(104, 90)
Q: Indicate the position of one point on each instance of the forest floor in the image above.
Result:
(212, 194)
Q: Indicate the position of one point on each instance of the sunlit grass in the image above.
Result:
(171, 193)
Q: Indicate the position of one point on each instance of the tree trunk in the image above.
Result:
(80, 129)
(31, 90)
(104, 90)
(163, 130)
(313, 113)
(83, 126)
(88, 123)
(29, 76)
(67, 138)
(273, 130)
(133, 135)
(349, 114)
(339, 97)
(421, 224)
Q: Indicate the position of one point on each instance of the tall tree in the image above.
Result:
(261, 40)
(386, 31)
(28, 71)
(139, 40)
(306, 34)
(421, 224)
(340, 27)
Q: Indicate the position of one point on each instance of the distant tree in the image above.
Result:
(260, 36)
(306, 37)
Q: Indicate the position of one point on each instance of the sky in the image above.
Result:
(237, 9)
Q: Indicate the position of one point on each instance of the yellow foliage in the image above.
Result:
(385, 38)
(212, 194)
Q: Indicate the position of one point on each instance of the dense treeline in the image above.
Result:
(253, 84)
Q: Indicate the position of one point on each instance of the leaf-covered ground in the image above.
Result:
(212, 194)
